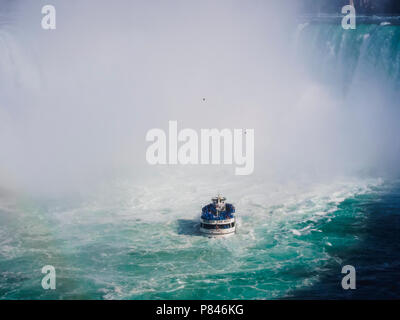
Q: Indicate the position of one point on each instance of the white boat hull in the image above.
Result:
(215, 229)
(219, 232)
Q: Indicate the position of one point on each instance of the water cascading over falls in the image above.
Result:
(349, 56)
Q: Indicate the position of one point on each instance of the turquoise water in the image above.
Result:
(113, 249)
(374, 219)
(348, 59)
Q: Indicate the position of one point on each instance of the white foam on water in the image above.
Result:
(138, 225)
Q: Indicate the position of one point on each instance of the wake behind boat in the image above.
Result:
(217, 218)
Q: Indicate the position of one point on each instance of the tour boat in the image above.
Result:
(217, 218)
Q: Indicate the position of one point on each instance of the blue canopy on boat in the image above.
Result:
(209, 212)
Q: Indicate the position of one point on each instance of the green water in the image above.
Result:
(114, 248)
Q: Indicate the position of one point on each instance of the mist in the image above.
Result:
(77, 102)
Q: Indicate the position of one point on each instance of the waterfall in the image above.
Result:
(348, 57)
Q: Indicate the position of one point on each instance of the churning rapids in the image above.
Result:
(138, 242)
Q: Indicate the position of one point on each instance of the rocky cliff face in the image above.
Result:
(362, 6)
(365, 5)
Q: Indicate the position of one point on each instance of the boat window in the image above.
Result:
(214, 226)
